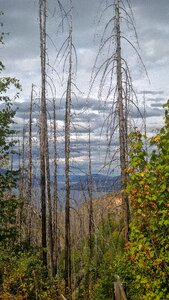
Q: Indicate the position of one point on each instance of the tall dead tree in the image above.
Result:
(30, 166)
(68, 60)
(91, 219)
(23, 163)
(20, 190)
(65, 55)
(55, 192)
(122, 120)
(116, 83)
(44, 151)
(30, 149)
(49, 202)
(67, 172)
(43, 121)
(20, 173)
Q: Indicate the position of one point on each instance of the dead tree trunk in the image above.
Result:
(20, 190)
(42, 17)
(23, 164)
(50, 217)
(67, 174)
(122, 93)
(11, 158)
(91, 220)
(30, 151)
(121, 120)
(45, 168)
(30, 168)
(19, 167)
(55, 193)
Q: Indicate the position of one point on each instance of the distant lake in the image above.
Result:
(77, 197)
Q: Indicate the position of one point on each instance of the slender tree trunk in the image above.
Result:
(19, 167)
(91, 221)
(67, 206)
(55, 192)
(42, 16)
(45, 168)
(30, 169)
(67, 173)
(11, 160)
(49, 202)
(20, 189)
(30, 151)
(23, 164)
(122, 123)
(22, 185)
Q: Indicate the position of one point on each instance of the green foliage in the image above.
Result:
(8, 202)
(6, 114)
(106, 261)
(148, 249)
(112, 263)
(6, 119)
(8, 229)
(24, 277)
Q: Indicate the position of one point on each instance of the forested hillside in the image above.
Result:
(84, 182)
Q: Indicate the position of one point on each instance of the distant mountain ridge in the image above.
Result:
(100, 183)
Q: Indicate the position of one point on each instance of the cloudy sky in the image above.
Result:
(21, 57)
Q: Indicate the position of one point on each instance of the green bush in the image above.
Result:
(149, 195)
(23, 275)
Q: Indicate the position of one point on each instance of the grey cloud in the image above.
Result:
(80, 129)
(146, 92)
(22, 110)
(157, 99)
(24, 38)
(154, 11)
(150, 112)
(157, 104)
(94, 104)
(79, 104)
(19, 128)
(20, 18)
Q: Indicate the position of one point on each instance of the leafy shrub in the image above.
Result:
(149, 195)
(24, 277)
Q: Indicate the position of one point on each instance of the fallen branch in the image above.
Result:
(63, 297)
